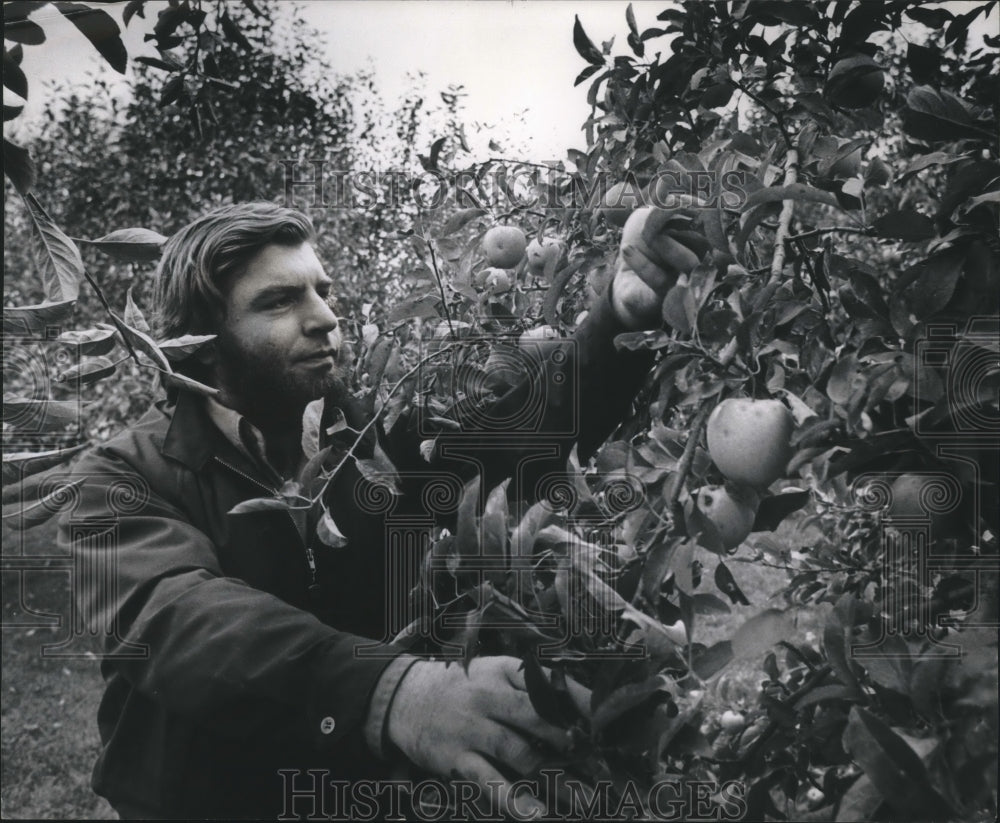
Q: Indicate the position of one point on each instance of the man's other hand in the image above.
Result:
(472, 724)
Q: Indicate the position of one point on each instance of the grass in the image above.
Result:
(49, 712)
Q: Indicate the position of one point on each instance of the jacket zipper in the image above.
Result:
(310, 557)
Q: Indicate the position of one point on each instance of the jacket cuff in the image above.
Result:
(377, 723)
(342, 691)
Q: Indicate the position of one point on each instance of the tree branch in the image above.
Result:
(785, 218)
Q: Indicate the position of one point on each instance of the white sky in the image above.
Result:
(515, 58)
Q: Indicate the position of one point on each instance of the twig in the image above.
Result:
(365, 429)
(828, 230)
(114, 318)
(687, 458)
(785, 218)
(440, 283)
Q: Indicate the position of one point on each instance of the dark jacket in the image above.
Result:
(221, 666)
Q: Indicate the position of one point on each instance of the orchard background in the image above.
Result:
(838, 163)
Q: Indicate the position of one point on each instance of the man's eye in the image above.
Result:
(281, 302)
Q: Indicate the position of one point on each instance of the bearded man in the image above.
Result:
(233, 661)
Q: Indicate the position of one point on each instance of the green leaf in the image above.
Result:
(836, 640)
(426, 306)
(713, 659)
(13, 76)
(328, 533)
(776, 508)
(312, 418)
(707, 603)
(18, 465)
(380, 470)
(640, 340)
(90, 342)
(625, 698)
(935, 283)
(24, 31)
(261, 504)
(549, 697)
(131, 245)
(680, 564)
(40, 415)
(29, 321)
(760, 632)
(726, 583)
(906, 224)
(460, 219)
(182, 381)
(17, 165)
(832, 691)
(178, 348)
(100, 29)
(57, 496)
(64, 267)
(134, 316)
(89, 370)
(895, 769)
(494, 524)
(584, 46)
(795, 191)
(536, 518)
(934, 18)
(466, 527)
(937, 115)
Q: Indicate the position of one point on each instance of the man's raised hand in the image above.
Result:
(658, 245)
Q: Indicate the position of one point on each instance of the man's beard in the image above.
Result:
(265, 388)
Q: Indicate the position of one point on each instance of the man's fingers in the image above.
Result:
(649, 272)
(508, 747)
(515, 805)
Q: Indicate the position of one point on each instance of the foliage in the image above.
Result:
(849, 269)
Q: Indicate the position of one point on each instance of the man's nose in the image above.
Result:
(319, 318)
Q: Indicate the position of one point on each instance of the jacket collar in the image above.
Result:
(193, 439)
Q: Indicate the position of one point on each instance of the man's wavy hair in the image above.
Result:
(200, 261)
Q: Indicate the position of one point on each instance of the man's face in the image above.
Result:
(279, 344)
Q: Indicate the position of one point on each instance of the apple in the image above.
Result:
(498, 281)
(732, 721)
(540, 254)
(480, 278)
(855, 82)
(731, 515)
(749, 440)
(847, 166)
(504, 246)
(544, 332)
(907, 490)
(619, 202)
